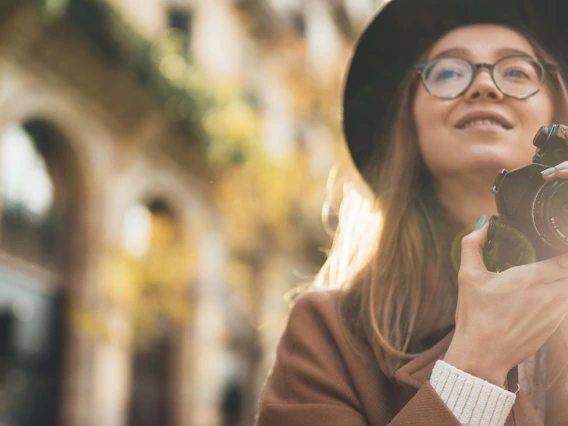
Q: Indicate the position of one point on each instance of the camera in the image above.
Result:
(533, 214)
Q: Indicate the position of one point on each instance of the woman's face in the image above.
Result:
(482, 131)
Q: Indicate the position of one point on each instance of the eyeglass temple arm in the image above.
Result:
(419, 68)
(552, 68)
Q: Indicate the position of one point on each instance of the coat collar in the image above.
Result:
(417, 371)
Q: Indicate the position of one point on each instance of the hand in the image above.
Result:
(503, 318)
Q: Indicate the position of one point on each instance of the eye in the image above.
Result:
(447, 75)
(447, 70)
(516, 73)
(442, 74)
(519, 70)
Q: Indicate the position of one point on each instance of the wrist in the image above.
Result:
(476, 366)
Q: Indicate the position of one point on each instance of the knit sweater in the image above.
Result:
(475, 401)
(472, 400)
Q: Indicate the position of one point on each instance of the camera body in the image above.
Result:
(533, 214)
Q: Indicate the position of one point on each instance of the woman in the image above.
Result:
(440, 96)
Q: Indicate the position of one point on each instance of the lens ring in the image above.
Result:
(506, 246)
(548, 223)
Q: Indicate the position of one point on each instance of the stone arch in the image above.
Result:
(40, 259)
(188, 200)
(153, 363)
(67, 193)
(87, 134)
(76, 132)
(186, 197)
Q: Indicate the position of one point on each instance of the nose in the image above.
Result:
(483, 87)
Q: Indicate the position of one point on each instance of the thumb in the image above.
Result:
(472, 246)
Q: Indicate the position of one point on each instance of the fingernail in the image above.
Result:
(548, 172)
(481, 221)
(562, 167)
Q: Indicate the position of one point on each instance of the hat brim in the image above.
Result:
(401, 31)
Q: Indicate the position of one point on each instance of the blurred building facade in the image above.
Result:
(162, 171)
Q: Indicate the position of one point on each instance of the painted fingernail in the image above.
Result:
(548, 172)
(481, 221)
(562, 167)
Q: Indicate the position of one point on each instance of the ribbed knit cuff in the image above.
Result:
(473, 401)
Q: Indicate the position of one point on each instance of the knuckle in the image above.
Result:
(468, 240)
(547, 297)
(557, 301)
(562, 263)
(558, 307)
(466, 276)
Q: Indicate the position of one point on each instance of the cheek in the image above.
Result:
(430, 116)
(533, 116)
(423, 114)
(542, 109)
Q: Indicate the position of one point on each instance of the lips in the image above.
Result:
(484, 118)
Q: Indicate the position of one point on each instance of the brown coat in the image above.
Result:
(325, 376)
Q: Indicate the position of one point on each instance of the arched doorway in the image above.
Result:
(152, 233)
(39, 199)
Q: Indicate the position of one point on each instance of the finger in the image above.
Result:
(561, 171)
(558, 172)
(472, 247)
(550, 177)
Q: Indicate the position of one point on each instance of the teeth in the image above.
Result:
(482, 123)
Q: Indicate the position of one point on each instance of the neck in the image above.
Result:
(467, 198)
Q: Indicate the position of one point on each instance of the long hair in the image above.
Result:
(390, 255)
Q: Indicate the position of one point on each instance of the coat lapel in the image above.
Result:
(417, 371)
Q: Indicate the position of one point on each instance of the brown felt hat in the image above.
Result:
(402, 30)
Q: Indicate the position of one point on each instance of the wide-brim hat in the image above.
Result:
(404, 29)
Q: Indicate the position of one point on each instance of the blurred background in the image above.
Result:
(163, 168)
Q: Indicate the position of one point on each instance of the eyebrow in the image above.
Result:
(462, 51)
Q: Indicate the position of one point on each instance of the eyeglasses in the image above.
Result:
(517, 76)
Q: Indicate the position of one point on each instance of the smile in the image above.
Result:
(482, 123)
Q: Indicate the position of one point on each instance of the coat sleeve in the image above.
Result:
(310, 383)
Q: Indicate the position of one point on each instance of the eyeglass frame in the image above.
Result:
(547, 68)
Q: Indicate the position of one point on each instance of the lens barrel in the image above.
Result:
(550, 214)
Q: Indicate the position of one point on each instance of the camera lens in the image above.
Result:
(550, 214)
(506, 246)
(559, 209)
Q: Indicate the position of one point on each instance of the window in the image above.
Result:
(33, 208)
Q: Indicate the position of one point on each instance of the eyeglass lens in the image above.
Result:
(514, 76)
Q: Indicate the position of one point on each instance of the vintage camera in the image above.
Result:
(533, 214)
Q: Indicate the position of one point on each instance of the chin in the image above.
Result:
(482, 171)
(495, 165)
(506, 156)
(482, 160)
(512, 163)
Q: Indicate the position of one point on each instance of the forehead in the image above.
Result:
(482, 40)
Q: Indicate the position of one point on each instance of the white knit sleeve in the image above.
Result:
(472, 400)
